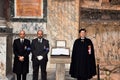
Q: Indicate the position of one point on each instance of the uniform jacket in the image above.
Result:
(20, 49)
(40, 49)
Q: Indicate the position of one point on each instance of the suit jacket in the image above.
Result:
(38, 49)
(20, 49)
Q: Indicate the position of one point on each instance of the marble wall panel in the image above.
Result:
(29, 27)
(106, 39)
(63, 20)
(2, 58)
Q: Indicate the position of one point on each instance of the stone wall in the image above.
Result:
(98, 14)
(62, 24)
(3, 57)
(5, 50)
(106, 38)
(1, 9)
(63, 21)
(115, 2)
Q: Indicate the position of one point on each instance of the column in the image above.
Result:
(60, 71)
(5, 51)
(2, 57)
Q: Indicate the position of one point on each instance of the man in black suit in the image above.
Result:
(21, 49)
(40, 49)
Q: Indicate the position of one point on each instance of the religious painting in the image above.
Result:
(27, 10)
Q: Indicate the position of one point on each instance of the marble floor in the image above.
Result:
(51, 76)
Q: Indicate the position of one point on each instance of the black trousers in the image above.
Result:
(21, 76)
(82, 78)
(36, 65)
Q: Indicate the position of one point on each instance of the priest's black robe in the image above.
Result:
(82, 63)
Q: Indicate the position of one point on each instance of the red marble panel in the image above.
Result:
(29, 8)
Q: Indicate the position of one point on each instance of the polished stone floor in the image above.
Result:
(51, 76)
